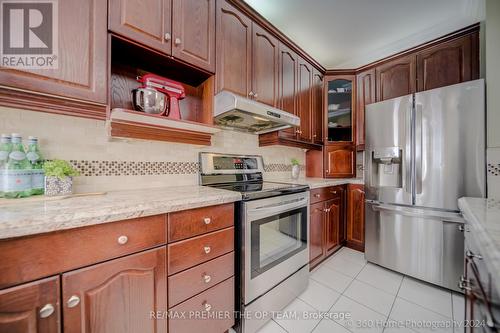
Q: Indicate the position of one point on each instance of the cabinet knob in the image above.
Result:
(317, 195)
(251, 94)
(207, 278)
(46, 310)
(314, 135)
(122, 240)
(177, 42)
(207, 220)
(461, 227)
(298, 131)
(207, 306)
(327, 171)
(73, 301)
(463, 286)
(207, 249)
(326, 210)
(167, 37)
(333, 192)
(255, 95)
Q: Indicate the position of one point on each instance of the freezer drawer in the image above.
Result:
(424, 244)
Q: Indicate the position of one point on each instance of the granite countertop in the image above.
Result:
(483, 219)
(28, 218)
(320, 182)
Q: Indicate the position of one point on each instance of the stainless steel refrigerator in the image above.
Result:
(423, 152)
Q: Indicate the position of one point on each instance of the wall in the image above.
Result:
(127, 164)
(493, 96)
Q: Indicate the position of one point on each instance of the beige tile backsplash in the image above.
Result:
(79, 139)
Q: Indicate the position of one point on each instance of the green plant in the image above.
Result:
(295, 161)
(60, 169)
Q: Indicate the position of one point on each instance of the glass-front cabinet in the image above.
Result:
(339, 108)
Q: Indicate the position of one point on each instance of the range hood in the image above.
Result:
(242, 114)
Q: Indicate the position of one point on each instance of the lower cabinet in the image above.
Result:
(340, 160)
(117, 296)
(327, 223)
(31, 308)
(356, 217)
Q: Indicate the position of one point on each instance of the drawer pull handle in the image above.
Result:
(73, 301)
(317, 195)
(122, 240)
(207, 306)
(207, 278)
(333, 192)
(471, 255)
(207, 220)
(46, 311)
(207, 249)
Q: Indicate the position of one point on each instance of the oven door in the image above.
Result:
(276, 241)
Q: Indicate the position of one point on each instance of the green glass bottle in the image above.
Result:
(17, 178)
(5, 149)
(37, 174)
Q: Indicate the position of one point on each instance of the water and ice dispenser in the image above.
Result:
(387, 167)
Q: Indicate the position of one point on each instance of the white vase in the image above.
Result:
(295, 171)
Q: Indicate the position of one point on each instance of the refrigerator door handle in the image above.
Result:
(407, 186)
(418, 148)
(421, 213)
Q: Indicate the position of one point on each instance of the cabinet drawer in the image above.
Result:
(325, 193)
(29, 258)
(218, 300)
(186, 284)
(194, 251)
(194, 222)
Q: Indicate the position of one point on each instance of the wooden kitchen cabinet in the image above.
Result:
(82, 63)
(264, 66)
(340, 160)
(288, 79)
(234, 50)
(304, 101)
(448, 63)
(365, 94)
(145, 22)
(356, 217)
(31, 307)
(193, 32)
(396, 78)
(317, 107)
(327, 223)
(118, 295)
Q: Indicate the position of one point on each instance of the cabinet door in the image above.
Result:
(396, 78)
(31, 307)
(304, 102)
(340, 161)
(118, 295)
(82, 56)
(288, 65)
(264, 66)
(317, 107)
(333, 222)
(234, 53)
(356, 217)
(145, 22)
(193, 32)
(317, 234)
(447, 63)
(340, 102)
(365, 95)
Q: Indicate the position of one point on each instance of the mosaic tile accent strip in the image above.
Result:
(493, 169)
(133, 168)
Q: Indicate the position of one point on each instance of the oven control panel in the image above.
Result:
(235, 163)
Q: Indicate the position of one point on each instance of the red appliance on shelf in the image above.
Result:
(155, 93)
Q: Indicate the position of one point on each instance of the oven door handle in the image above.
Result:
(272, 209)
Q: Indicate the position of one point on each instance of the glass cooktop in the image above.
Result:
(261, 189)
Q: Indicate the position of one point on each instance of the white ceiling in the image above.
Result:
(352, 33)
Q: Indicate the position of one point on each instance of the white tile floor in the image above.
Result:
(378, 300)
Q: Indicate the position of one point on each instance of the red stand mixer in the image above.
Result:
(158, 95)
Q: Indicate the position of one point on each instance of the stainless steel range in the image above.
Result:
(272, 236)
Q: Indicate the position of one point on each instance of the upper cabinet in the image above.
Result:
(146, 22)
(184, 29)
(234, 50)
(288, 72)
(448, 63)
(264, 66)
(304, 103)
(339, 108)
(317, 106)
(396, 78)
(193, 32)
(82, 62)
(365, 94)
